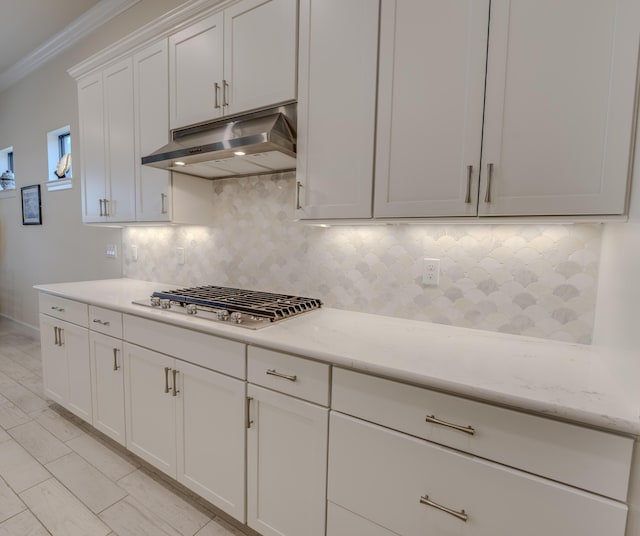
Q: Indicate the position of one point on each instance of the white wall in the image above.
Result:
(62, 249)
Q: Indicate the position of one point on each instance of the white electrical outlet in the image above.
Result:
(111, 251)
(180, 255)
(134, 253)
(430, 271)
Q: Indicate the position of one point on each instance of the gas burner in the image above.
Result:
(247, 308)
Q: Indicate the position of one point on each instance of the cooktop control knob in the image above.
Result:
(165, 304)
(236, 317)
(155, 301)
(222, 315)
(192, 309)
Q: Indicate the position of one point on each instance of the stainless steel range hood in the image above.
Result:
(253, 144)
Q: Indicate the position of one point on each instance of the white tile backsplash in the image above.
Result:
(537, 280)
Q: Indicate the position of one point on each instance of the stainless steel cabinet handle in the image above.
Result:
(55, 336)
(272, 372)
(163, 210)
(466, 429)
(166, 379)
(59, 309)
(225, 93)
(467, 198)
(248, 410)
(106, 208)
(101, 322)
(101, 212)
(298, 186)
(175, 390)
(216, 90)
(461, 515)
(60, 337)
(115, 359)
(487, 195)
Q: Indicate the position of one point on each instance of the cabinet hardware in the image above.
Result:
(487, 195)
(461, 515)
(163, 210)
(115, 359)
(55, 336)
(225, 93)
(106, 208)
(466, 429)
(298, 186)
(248, 411)
(101, 322)
(166, 379)
(467, 198)
(101, 212)
(175, 390)
(59, 309)
(60, 337)
(216, 92)
(272, 372)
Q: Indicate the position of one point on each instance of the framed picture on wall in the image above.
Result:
(31, 205)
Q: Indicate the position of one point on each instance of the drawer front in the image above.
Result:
(413, 487)
(105, 321)
(289, 374)
(63, 308)
(209, 351)
(341, 522)
(585, 458)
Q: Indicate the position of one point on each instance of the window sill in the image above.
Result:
(59, 184)
(5, 194)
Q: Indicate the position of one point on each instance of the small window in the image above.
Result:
(10, 161)
(64, 144)
(59, 159)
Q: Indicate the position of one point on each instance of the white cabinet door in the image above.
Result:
(286, 465)
(150, 407)
(260, 42)
(430, 106)
(151, 93)
(336, 108)
(196, 72)
(561, 80)
(75, 341)
(119, 147)
(54, 360)
(107, 381)
(92, 144)
(211, 437)
(399, 482)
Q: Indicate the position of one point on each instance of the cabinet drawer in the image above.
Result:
(194, 347)
(341, 522)
(585, 458)
(289, 374)
(63, 308)
(105, 321)
(397, 481)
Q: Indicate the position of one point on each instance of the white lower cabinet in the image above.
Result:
(107, 385)
(413, 487)
(65, 365)
(342, 522)
(187, 421)
(286, 464)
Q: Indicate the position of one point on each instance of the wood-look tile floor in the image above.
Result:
(60, 477)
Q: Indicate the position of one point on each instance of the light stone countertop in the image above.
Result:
(583, 384)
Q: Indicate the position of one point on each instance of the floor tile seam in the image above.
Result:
(164, 533)
(26, 508)
(33, 455)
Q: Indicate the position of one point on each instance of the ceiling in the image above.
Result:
(25, 25)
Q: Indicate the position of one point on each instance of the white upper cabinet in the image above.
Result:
(233, 61)
(561, 82)
(430, 104)
(151, 94)
(336, 108)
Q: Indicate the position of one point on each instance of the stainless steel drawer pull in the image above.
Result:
(101, 211)
(60, 337)
(461, 515)
(101, 322)
(166, 379)
(175, 390)
(55, 336)
(216, 89)
(115, 359)
(248, 416)
(225, 93)
(272, 372)
(466, 429)
(56, 308)
(467, 198)
(298, 186)
(487, 195)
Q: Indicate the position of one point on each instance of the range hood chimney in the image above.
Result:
(252, 144)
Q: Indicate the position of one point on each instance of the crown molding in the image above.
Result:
(165, 25)
(102, 12)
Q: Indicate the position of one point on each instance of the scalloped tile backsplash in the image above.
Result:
(537, 280)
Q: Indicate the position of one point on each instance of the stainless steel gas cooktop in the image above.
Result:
(247, 308)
